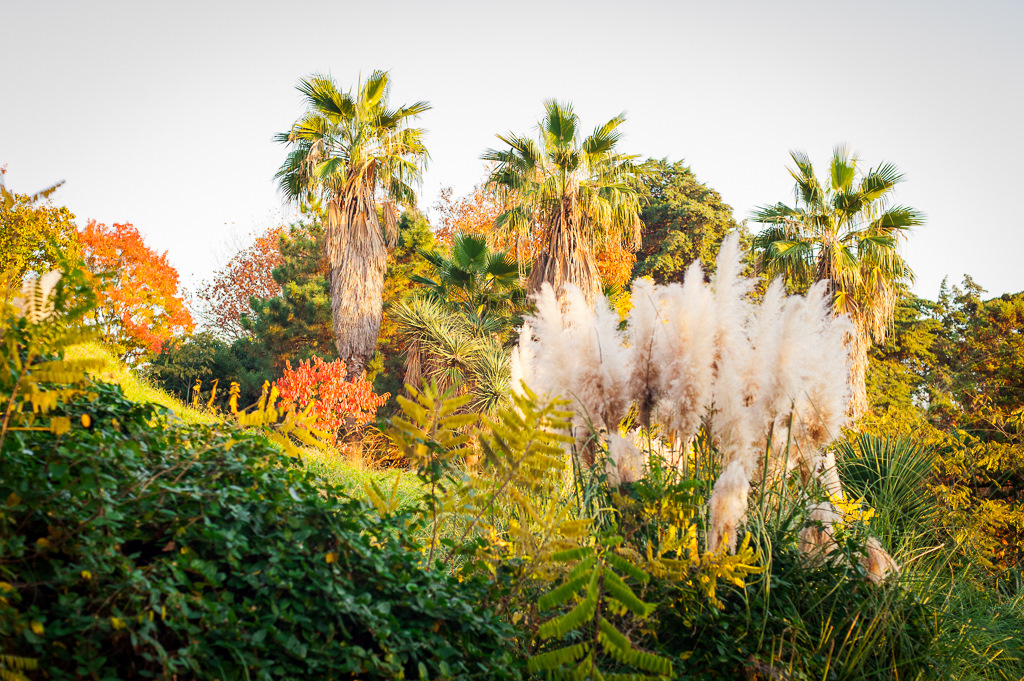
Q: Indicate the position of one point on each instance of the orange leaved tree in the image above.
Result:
(335, 401)
(249, 274)
(137, 290)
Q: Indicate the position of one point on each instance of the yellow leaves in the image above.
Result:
(60, 425)
(117, 623)
(233, 394)
(13, 499)
(37, 627)
(6, 586)
(331, 557)
(296, 427)
(384, 503)
(853, 511)
(678, 555)
(86, 575)
(434, 426)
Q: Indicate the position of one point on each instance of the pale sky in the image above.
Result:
(162, 114)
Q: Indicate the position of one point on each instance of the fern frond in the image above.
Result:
(584, 610)
(554, 659)
(625, 566)
(572, 554)
(618, 588)
(562, 593)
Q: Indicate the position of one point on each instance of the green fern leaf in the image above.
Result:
(618, 588)
(626, 567)
(556, 658)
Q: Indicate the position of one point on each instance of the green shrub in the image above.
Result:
(143, 547)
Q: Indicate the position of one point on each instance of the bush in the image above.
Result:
(137, 546)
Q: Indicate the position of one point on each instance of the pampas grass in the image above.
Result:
(701, 354)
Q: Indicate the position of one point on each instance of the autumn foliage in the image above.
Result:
(471, 214)
(137, 289)
(475, 213)
(335, 400)
(249, 274)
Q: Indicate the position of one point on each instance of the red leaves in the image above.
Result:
(137, 289)
(335, 400)
(249, 274)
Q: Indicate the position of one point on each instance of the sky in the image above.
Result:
(163, 114)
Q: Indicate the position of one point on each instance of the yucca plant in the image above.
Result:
(457, 331)
(892, 476)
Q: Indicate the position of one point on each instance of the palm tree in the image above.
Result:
(572, 194)
(475, 280)
(349, 150)
(843, 231)
(458, 331)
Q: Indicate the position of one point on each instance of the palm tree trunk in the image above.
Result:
(356, 258)
(568, 259)
(860, 346)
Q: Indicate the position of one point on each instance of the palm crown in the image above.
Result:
(346, 143)
(843, 231)
(474, 279)
(577, 193)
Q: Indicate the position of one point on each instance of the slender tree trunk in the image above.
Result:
(860, 347)
(356, 257)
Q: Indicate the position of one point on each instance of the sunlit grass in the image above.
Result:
(136, 389)
(330, 465)
(334, 468)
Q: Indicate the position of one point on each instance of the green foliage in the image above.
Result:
(568, 194)
(387, 368)
(197, 551)
(296, 325)
(198, 357)
(599, 595)
(474, 280)
(519, 486)
(135, 545)
(458, 329)
(136, 389)
(35, 326)
(683, 220)
(892, 476)
(34, 237)
(951, 377)
(798, 619)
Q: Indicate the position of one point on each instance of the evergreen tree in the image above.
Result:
(296, 325)
(684, 220)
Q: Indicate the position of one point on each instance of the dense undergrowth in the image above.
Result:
(134, 544)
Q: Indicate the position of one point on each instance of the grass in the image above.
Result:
(330, 465)
(135, 388)
(333, 468)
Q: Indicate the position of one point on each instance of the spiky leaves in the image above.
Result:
(349, 150)
(843, 231)
(457, 332)
(577, 193)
